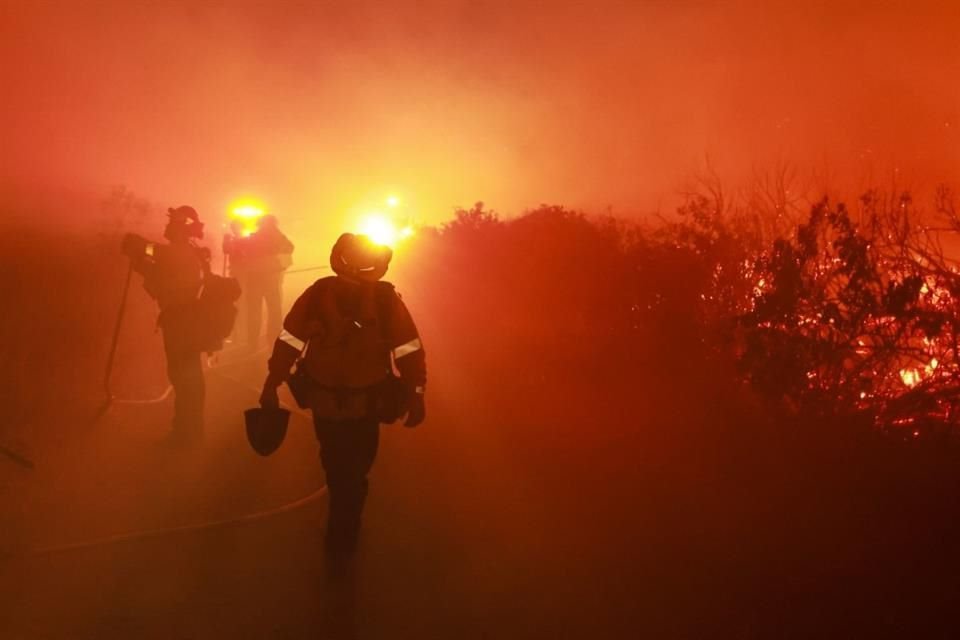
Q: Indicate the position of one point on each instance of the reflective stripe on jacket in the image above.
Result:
(350, 335)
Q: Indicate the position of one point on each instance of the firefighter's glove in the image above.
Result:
(268, 397)
(417, 410)
(133, 246)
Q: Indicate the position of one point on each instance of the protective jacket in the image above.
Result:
(267, 251)
(349, 335)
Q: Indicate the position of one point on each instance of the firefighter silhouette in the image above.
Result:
(173, 275)
(264, 257)
(345, 334)
(233, 257)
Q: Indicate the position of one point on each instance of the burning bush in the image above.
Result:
(857, 318)
(852, 316)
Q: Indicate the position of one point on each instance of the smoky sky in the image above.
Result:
(316, 107)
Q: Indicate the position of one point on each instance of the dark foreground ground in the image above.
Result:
(471, 532)
(460, 540)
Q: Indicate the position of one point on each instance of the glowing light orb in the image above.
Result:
(379, 228)
(393, 201)
(246, 214)
(382, 230)
(247, 211)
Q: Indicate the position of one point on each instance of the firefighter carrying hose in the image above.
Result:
(345, 334)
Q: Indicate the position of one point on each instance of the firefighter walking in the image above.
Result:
(345, 334)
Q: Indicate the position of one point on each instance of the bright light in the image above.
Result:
(393, 201)
(379, 228)
(246, 214)
(247, 211)
(382, 230)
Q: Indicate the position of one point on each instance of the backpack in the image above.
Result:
(345, 343)
(216, 311)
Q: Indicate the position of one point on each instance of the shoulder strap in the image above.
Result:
(385, 294)
(320, 291)
(383, 300)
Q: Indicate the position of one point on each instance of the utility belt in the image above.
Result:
(385, 400)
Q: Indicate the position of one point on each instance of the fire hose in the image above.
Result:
(108, 372)
(134, 536)
(306, 269)
(116, 335)
(156, 533)
(112, 399)
(189, 528)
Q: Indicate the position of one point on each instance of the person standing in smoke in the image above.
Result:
(266, 255)
(233, 247)
(345, 334)
(173, 275)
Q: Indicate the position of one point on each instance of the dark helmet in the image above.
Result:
(266, 428)
(357, 257)
(188, 218)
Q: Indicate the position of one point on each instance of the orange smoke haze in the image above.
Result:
(320, 108)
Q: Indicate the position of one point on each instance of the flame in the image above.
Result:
(910, 377)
